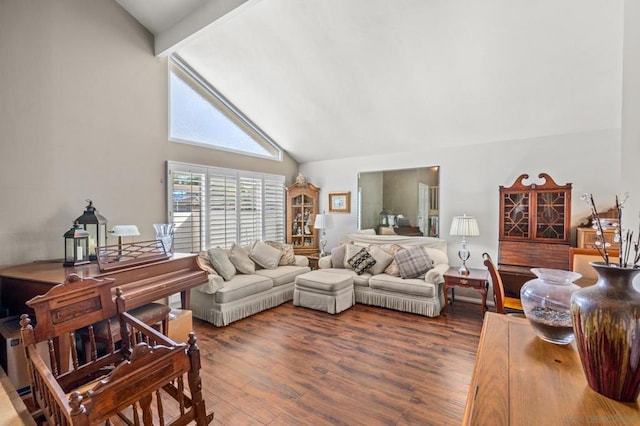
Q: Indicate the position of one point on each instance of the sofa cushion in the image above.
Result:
(288, 255)
(413, 262)
(438, 256)
(323, 282)
(220, 260)
(362, 261)
(337, 256)
(413, 286)
(383, 259)
(242, 286)
(358, 280)
(265, 255)
(392, 249)
(213, 284)
(241, 260)
(283, 274)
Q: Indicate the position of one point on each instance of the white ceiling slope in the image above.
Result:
(332, 78)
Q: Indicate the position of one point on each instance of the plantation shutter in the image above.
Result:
(250, 209)
(186, 210)
(223, 221)
(215, 207)
(274, 209)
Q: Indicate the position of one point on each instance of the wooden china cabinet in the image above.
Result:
(302, 207)
(535, 230)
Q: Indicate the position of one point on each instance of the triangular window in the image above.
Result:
(199, 115)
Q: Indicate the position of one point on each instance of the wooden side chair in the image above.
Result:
(145, 379)
(504, 305)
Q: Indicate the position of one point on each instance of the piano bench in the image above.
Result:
(152, 314)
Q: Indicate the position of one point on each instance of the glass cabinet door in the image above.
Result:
(550, 215)
(515, 214)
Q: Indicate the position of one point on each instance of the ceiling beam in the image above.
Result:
(169, 40)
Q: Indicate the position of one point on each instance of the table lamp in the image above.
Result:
(323, 222)
(464, 226)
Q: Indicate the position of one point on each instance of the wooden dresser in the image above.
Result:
(521, 380)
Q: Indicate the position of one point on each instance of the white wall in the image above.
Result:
(470, 177)
(631, 116)
(83, 114)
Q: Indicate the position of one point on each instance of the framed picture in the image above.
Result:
(340, 202)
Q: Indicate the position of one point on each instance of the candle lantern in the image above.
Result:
(383, 218)
(76, 246)
(96, 225)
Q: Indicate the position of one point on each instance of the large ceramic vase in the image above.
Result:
(606, 323)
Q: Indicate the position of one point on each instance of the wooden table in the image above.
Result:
(313, 260)
(519, 379)
(477, 280)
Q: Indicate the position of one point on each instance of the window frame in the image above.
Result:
(191, 77)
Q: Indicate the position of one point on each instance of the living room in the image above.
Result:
(84, 114)
(88, 74)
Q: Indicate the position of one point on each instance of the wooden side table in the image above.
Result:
(313, 260)
(477, 279)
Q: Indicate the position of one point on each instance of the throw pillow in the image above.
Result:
(383, 259)
(265, 255)
(337, 256)
(241, 260)
(362, 261)
(220, 260)
(392, 269)
(350, 250)
(288, 255)
(413, 262)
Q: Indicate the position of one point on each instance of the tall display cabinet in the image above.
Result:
(302, 207)
(535, 229)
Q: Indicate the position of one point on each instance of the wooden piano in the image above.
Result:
(143, 279)
(534, 230)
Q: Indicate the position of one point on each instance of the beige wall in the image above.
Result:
(83, 114)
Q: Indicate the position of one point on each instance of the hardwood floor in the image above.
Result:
(364, 366)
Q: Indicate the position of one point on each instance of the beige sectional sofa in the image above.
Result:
(381, 285)
(232, 295)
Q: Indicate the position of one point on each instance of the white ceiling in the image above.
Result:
(332, 78)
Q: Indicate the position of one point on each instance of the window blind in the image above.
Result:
(214, 207)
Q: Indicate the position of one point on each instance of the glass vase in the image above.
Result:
(606, 321)
(164, 233)
(546, 301)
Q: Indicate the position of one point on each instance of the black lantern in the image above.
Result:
(383, 218)
(76, 246)
(96, 225)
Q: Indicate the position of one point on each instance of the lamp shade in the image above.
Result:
(125, 230)
(464, 226)
(323, 221)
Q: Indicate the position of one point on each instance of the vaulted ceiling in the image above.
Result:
(333, 78)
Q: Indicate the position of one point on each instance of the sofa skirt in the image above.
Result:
(205, 308)
(420, 305)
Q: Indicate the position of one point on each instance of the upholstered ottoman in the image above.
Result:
(324, 291)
